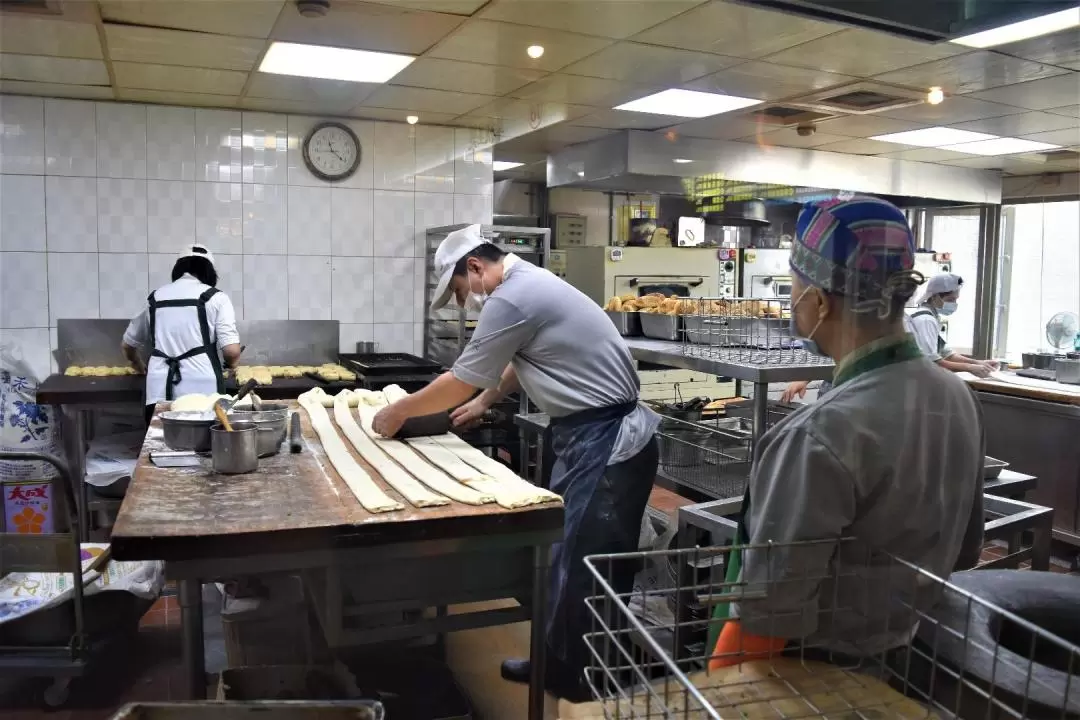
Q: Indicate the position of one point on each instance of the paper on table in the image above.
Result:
(1013, 379)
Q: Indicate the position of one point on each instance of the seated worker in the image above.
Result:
(891, 457)
(541, 334)
(939, 299)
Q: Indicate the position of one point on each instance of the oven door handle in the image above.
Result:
(634, 282)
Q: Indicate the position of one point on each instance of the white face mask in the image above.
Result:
(474, 301)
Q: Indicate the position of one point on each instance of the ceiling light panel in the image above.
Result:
(933, 137)
(1002, 146)
(498, 165)
(687, 103)
(1035, 27)
(330, 63)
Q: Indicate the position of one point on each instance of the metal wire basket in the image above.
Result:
(710, 456)
(744, 330)
(880, 638)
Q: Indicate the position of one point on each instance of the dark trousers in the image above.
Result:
(148, 414)
(601, 517)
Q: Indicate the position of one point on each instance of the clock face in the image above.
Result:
(332, 151)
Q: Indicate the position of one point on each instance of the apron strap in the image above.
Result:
(208, 347)
(940, 340)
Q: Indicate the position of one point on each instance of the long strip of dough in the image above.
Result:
(391, 472)
(428, 474)
(493, 468)
(505, 494)
(363, 487)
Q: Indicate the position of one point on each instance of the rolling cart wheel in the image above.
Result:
(57, 694)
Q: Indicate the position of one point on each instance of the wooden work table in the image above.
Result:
(295, 514)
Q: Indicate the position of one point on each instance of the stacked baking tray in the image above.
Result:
(374, 371)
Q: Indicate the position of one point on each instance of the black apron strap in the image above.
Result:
(940, 340)
(208, 347)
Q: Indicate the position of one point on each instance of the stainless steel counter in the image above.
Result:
(726, 362)
(1039, 437)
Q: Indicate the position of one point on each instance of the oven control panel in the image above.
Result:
(728, 274)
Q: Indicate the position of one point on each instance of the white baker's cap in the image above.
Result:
(196, 250)
(454, 246)
(943, 283)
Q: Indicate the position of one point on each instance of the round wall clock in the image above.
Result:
(331, 151)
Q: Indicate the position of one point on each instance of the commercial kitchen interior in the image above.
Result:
(129, 128)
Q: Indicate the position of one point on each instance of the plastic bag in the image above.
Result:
(25, 426)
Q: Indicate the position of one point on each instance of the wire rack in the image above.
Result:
(711, 456)
(879, 638)
(744, 330)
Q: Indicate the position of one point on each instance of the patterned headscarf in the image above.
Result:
(860, 247)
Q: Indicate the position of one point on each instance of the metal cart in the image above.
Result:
(54, 553)
(880, 638)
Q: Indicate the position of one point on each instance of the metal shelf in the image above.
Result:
(716, 361)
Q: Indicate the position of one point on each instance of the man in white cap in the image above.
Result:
(939, 300)
(185, 325)
(540, 334)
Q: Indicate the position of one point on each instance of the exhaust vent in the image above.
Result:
(37, 7)
(1064, 155)
(786, 115)
(861, 98)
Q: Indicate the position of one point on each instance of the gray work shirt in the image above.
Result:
(566, 352)
(892, 458)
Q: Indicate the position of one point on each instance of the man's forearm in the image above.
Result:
(950, 364)
(132, 356)
(443, 393)
(508, 383)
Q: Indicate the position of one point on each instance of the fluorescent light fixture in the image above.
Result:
(687, 103)
(1001, 146)
(505, 165)
(1043, 25)
(682, 161)
(331, 63)
(933, 137)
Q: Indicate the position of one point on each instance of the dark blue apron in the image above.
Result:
(598, 518)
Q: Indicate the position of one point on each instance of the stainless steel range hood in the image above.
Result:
(653, 162)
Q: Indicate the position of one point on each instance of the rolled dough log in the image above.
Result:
(363, 487)
(493, 468)
(428, 474)
(393, 393)
(399, 479)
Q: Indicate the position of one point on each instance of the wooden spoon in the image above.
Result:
(219, 410)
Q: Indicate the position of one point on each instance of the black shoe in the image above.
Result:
(516, 670)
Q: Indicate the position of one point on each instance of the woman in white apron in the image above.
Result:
(185, 325)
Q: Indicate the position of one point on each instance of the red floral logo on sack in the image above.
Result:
(29, 522)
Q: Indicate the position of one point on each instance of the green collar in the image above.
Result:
(878, 354)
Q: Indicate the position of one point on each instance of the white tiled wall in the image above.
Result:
(97, 198)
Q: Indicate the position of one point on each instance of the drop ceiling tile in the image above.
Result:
(129, 43)
(788, 137)
(244, 18)
(974, 71)
(316, 90)
(465, 77)
(510, 118)
(493, 43)
(166, 97)
(420, 99)
(738, 30)
(178, 79)
(1062, 49)
(1020, 124)
(90, 92)
(1072, 111)
(721, 127)
(534, 146)
(864, 53)
(581, 90)
(953, 110)
(1002, 162)
(766, 81)
(362, 25)
(1065, 138)
(649, 64)
(284, 105)
(1037, 94)
(63, 71)
(607, 19)
(858, 146)
(862, 126)
(622, 120)
(42, 35)
(455, 7)
(926, 155)
(391, 115)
